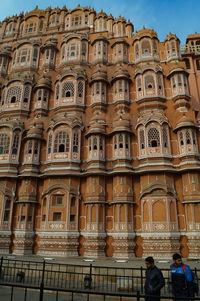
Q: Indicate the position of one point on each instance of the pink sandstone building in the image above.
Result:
(99, 135)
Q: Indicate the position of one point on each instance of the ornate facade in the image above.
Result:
(98, 140)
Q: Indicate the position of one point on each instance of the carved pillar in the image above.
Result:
(95, 217)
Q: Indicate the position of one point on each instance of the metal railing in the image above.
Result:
(92, 279)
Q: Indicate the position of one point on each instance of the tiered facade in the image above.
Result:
(98, 140)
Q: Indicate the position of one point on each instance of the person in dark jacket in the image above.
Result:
(154, 281)
(181, 276)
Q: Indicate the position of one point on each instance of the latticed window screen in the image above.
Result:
(29, 147)
(90, 144)
(95, 143)
(179, 80)
(139, 84)
(4, 143)
(80, 89)
(35, 54)
(14, 94)
(155, 47)
(146, 47)
(142, 142)
(26, 93)
(84, 48)
(181, 138)
(164, 134)
(101, 143)
(193, 137)
(153, 137)
(115, 142)
(57, 91)
(39, 94)
(3, 97)
(61, 143)
(36, 148)
(120, 141)
(75, 142)
(136, 50)
(159, 77)
(149, 82)
(188, 137)
(15, 143)
(50, 143)
(68, 89)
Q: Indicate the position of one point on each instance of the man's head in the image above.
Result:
(177, 259)
(149, 262)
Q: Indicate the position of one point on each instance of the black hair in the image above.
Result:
(149, 259)
(176, 256)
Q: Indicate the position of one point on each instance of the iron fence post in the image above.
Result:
(141, 275)
(42, 282)
(138, 296)
(1, 270)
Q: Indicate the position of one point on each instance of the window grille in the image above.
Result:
(179, 80)
(57, 91)
(29, 147)
(68, 89)
(84, 48)
(159, 77)
(14, 91)
(75, 143)
(165, 140)
(95, 143)
(139, 84)
(61, 143)
(101, 143)
(188, 137)
(126, 141)
(153, 137)
(146, 47)
(142, 142)
(181, 138)
(193, 137)
(3, 97)
(120, 141)
(49, 143)
(15, 144)
(63, 52)
(35, 54)
(26, 93)
(36, 148)
(90, 144)
(149, 82)
(39, 94)
(136, 50)
(80, 89)
(155, 47)
(115, 142)
(173, 47)
(4, 143)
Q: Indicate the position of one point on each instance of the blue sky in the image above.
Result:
(164, 16)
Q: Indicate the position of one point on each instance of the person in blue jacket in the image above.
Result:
(181, 276)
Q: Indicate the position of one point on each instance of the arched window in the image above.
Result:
(7, 211)
(57, 91)
(181, 138)
(155, 47)
(146, 47)
(142, 141)
(14, 94)
(153, 137)
(30, 147)
(164, 134)
(193, 137)
(139, 84)
(80, 89)
(27, 90)
(75, 143)
(68, 89)
(15, 144)
(95, 143)
(149, 82)
(120, 141)
(188, 137)
(137, 53)
(4, 143)
(50, 143)
(61, 143)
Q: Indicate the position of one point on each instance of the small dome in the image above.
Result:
(145, 32)
(184, 121)
(171, 36)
